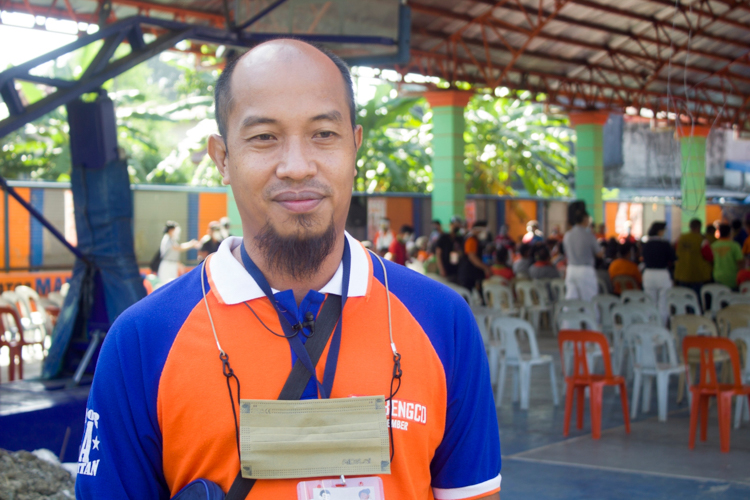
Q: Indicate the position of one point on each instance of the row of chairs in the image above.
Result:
(26, 321)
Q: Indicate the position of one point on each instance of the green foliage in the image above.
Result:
(394, 155)
(511, 141)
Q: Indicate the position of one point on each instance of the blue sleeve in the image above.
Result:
(120, 454)
(470, 451)
(121, 450)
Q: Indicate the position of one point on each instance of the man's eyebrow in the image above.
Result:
(253, 120)
(333, 116)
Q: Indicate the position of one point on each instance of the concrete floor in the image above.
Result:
(652, 462)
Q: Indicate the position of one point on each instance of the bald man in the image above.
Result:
(163, 409)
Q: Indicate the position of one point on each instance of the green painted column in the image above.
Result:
(693, 178)
(233, 213)
(589, 175)
(449, 186)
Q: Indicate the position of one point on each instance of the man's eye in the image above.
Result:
(326, 134)
(264, 137)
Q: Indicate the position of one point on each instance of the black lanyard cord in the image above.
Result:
(397, 373)
(229, 374)
(299, 327)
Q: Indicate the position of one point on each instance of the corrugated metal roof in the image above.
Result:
(688, 56)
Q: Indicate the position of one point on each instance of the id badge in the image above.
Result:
(355, 488)
(314, 438)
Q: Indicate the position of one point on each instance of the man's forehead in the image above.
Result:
(288, 69)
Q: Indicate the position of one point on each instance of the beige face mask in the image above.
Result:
(313, 438)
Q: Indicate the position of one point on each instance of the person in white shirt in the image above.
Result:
(170, 249)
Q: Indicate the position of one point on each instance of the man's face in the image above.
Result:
(290, 148)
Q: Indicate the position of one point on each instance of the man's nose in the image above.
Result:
(298, 162)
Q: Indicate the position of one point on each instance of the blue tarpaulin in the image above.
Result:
(108, 281)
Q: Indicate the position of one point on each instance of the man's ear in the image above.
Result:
(217, 150)
(358, 135)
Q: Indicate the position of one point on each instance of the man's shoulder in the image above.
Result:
(160, 315)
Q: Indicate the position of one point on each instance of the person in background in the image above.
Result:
(447, 252)
(170, 249)
(503, 240)
(728, 259)
(542, 267)
(627, 236)
(554, 235)
(601, 233)
(226, 227)
(500, 266)
(744, 274)
(522, 265)
(693, 252)
(658, 256)
(581, 250)
(397, 250)
(384, 237)
(533, 234)
(711, 232)
(421, 251)
(471, 270)
(435, 234)
(624, 266)
(746, 243)
(738, 232)
(211, 241)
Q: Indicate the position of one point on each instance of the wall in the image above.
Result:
(517, 214)
(152, 209)
(651, 158)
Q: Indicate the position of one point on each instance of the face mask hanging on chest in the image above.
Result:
(310, 438)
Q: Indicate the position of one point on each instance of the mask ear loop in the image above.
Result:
(225, 366)
(397, 371)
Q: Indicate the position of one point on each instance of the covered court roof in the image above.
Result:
(685, 57)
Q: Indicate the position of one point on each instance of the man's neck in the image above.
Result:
(300, 288)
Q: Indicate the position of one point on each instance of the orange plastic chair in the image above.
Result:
(582, 378)
(708, 386)
(15, 345)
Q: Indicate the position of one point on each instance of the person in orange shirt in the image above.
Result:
(624, 266)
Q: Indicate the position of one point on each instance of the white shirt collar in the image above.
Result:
(232, 284)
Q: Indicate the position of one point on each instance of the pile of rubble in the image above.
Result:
(26, 476)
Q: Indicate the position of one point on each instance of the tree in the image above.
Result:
(395, 154)
(510, 140)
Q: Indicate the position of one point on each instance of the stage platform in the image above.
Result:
(43, 414)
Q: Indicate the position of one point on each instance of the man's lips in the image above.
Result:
(300, 202)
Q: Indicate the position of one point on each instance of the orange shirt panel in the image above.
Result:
(193, 404)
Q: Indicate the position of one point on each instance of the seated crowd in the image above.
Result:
(467, 256)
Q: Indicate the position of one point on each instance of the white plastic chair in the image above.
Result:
(507, 329)
(624, 315)
(558, 289)
(742, 335)
(713, 291)
(484, 317)
(730, 299)
(604, 304)
(644, 341)
(679, 304)
(500, 297)
(533, 301)
(572, 305)
(685, 292)
(56, 298)
(465, 293)
(637, 296)
(544, 286)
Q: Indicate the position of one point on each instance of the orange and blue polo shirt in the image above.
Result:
(159, 413)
